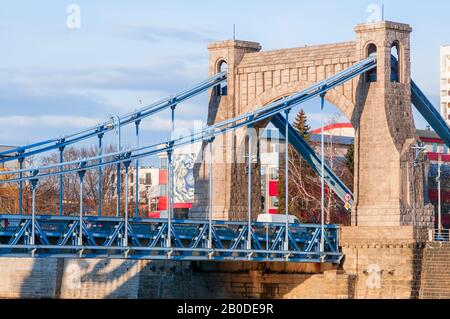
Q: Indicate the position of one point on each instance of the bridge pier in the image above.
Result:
(388, 185)
(387, 261)
(383, 248)
(374, 268)
(124, 279)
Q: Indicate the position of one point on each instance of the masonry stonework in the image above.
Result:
(398, 268)
(383, 248)
(388, 187)
(124, 279)
(435, 271)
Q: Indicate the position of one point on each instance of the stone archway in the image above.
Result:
(379, 110)
(238, 200)
(334, 96)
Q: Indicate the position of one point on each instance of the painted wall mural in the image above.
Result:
(184, 178)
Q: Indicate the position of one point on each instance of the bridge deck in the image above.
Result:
(194, 240)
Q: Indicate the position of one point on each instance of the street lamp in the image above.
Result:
(419, 149)
(438, 179)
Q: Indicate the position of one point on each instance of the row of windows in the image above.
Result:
(445, 64)
(445, 81)
(437, 148)
(147, 180)
(273, 202)
(371, 76)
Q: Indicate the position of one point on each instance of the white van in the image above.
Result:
(277, 218)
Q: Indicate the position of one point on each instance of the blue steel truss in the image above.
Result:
(89, 237)
(430, 113)
(206, 134)
(104, 237)
(310, 156)
(101, 129)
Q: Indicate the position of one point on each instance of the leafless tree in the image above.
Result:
(305, 187)
(47, 193)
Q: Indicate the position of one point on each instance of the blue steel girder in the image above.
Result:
(19, 232)
(148, 240)
(24, 232)
(229, 237)
(132, 118)
(310, 156)
(220, 128)
(430, 113)
(199, 237)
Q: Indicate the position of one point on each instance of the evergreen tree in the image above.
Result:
(301, 125)
(350, 159)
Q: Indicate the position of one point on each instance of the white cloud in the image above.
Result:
(49, 121)
(154, 123)
(158, 123)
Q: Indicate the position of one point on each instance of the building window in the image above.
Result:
(444, 93)
(274, 173)
(274, 203)
(222, 89)
(371, 76)
(164, 163)
(275, 147)
(395, 63)
(148, 179)
(131, 178)
(154, 205)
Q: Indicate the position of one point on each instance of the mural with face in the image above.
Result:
(184, 178)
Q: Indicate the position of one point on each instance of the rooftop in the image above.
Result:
(4, 148)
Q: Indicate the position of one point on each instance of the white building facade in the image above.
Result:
(445, 83)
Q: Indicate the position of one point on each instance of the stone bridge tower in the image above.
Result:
(388, 189)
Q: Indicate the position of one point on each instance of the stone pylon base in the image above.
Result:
(387, 261)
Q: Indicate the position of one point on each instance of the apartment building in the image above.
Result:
(445, 83)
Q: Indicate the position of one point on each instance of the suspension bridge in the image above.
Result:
(31, 234)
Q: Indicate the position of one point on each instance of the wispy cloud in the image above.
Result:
(159, 123)
(155, 123)
(49, 121)
(153, 77)
(156, 34)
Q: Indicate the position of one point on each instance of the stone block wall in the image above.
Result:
(379, 263)
(124, 279)
(435, 280)
(386, 260)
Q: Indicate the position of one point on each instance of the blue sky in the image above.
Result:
(55, 80)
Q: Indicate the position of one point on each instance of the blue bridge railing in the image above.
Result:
(107, 237)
